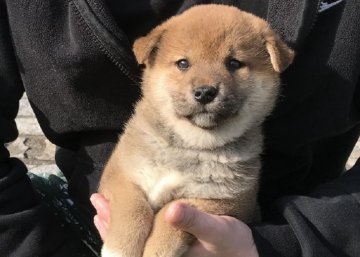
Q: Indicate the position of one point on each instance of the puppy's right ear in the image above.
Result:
(145, 48)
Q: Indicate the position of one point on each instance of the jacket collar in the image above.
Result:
(291, 19)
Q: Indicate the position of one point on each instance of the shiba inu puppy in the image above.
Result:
(211, 77)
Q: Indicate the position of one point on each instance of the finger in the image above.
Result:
(204, 226)
(101, 227)
(102, 207)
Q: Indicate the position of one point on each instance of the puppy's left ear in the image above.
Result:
(145, 48)
(281, 56)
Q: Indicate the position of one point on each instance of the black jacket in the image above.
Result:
(74, 60)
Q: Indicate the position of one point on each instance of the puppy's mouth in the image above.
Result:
(206, 120)
(208, 116)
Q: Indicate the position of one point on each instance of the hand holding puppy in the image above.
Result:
(216, 235)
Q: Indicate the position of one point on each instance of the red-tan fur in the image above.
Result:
(170, 151)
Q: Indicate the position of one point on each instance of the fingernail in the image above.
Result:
(96, 222)
(175, 213)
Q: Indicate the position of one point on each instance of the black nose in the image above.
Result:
(205, 94)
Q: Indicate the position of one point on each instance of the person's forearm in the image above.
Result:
(325, 223)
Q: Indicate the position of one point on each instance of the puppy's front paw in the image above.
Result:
(111, 252)
(108, 252)
(168, 243)
(165, 251)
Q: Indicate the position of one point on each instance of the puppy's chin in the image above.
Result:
(207, 117)
(204, 120)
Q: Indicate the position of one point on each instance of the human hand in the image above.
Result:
(218, 236)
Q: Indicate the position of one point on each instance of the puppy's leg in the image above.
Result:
(165, 241)
(131, 219)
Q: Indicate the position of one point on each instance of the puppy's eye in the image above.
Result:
(233, 64)
(183, 64)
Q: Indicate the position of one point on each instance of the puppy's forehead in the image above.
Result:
(211, 28)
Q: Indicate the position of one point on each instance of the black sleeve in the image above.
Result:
(27, 228)
(324, 223)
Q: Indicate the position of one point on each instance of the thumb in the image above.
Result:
(200, 224)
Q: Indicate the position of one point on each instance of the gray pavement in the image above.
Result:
(38, 153)
(31, 146)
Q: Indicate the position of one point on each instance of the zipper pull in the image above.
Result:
(325, 5)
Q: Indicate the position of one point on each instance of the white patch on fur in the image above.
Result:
(162, 188)
(106, 252)
(158, 183)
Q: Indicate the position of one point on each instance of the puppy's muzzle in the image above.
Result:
(205, 94)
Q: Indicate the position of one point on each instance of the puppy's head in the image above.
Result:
(213, 69)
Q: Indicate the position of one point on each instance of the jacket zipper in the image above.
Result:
(312, 25)
(103, 44)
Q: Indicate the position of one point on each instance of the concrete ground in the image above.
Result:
(38, 153)
(31, 146)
